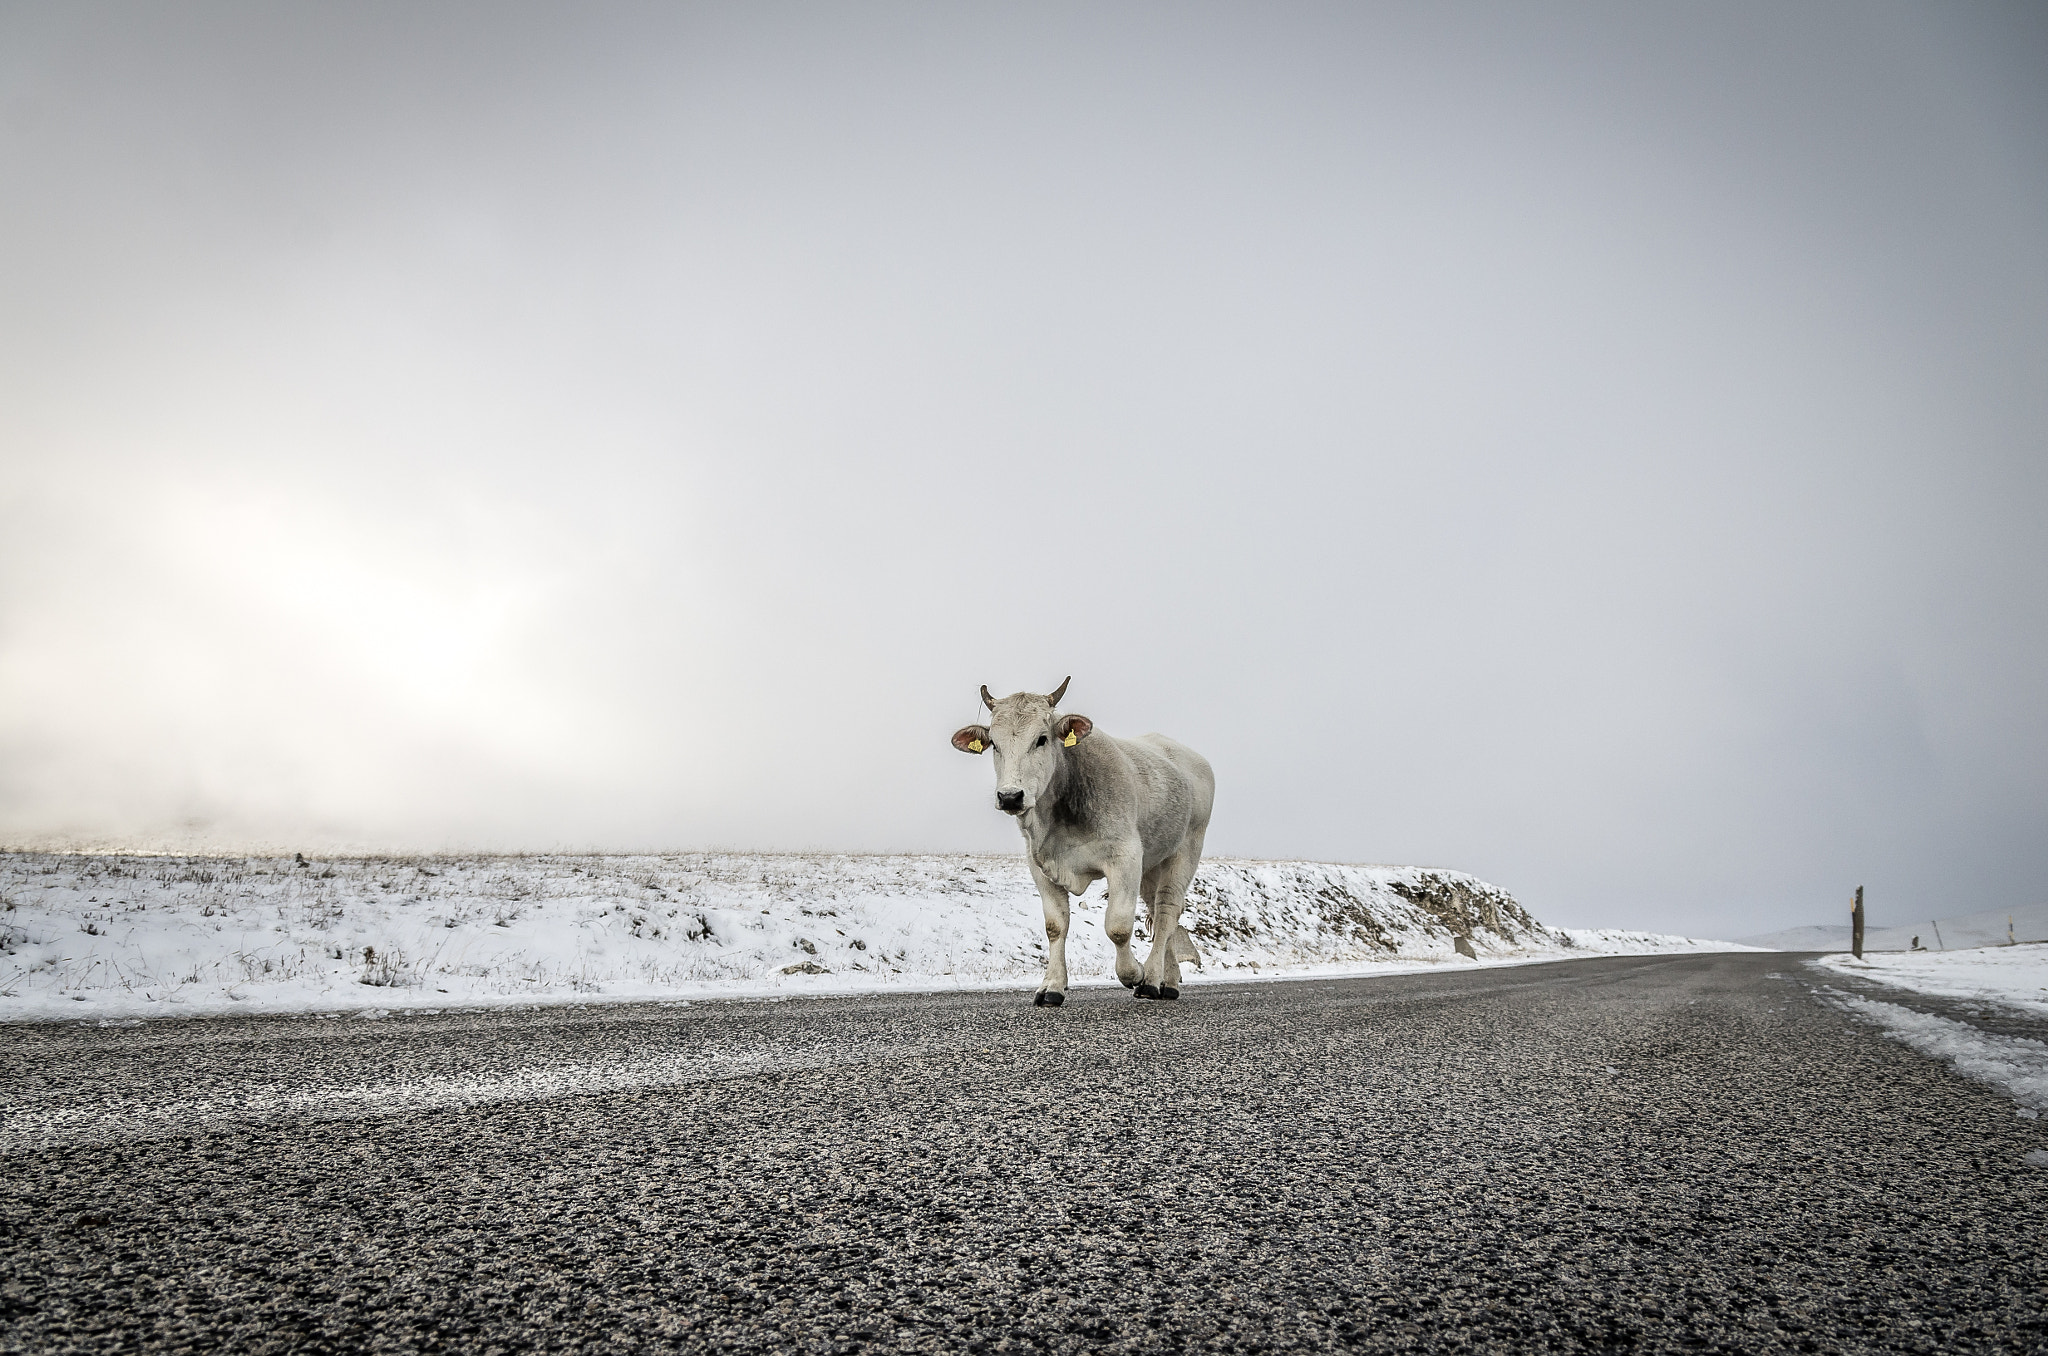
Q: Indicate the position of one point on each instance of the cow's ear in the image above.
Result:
(971, 738)
(1071, 730)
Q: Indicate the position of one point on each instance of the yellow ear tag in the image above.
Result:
(974, 745)
(1071, 739)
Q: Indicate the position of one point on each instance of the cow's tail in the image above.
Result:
(1184, 948)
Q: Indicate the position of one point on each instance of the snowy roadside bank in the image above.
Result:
(117, 937)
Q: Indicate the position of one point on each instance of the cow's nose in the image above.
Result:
(1010, 801)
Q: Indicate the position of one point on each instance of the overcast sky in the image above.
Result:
(1601, 448)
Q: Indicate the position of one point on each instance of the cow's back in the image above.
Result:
(1173, 790)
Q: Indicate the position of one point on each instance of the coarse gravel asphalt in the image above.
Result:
(1682, 1153)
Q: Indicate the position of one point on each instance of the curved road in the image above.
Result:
(1683, 1153)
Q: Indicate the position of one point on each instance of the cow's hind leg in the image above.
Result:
(1162, 971)
(1053, 992)
(1153, 892)
(1164, 903)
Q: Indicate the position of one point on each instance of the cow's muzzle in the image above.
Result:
(1010, 802)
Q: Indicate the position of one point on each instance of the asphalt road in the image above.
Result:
(1670, 1154)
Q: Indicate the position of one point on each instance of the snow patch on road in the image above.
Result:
(123, 936)
(2015, 1065)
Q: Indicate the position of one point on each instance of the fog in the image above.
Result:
(1601, 448)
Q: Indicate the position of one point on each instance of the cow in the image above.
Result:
(1092, 806)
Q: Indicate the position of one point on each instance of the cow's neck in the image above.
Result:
(1064, 805)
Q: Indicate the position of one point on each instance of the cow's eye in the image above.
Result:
(1040, 744)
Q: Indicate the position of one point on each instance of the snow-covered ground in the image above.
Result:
(118, 937)
(2016, 976)
(1622, 942)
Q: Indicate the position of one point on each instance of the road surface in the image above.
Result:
(1687, 1153)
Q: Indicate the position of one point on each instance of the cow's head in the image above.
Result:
(1029, 738)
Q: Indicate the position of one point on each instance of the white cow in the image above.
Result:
(1090, 806)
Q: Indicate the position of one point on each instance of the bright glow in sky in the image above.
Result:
(1600, 447)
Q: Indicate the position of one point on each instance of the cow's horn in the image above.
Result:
(1060, 691)
(986, 700)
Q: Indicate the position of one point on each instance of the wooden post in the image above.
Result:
(1856, 924)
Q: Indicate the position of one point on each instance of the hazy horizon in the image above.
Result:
(1602, 448)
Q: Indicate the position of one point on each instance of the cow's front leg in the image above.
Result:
(1121, 917)
(1053, 992)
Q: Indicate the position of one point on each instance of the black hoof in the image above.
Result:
(1147, 991)
(1046, 998)
(1168, 991)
